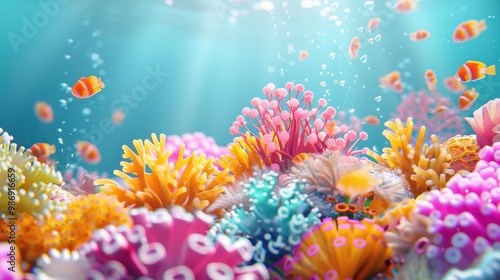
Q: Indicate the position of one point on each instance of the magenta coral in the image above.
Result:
(420, 106)
(464, 217)
(486, 123)
(288, 124)
(9, 262)
(168, 244)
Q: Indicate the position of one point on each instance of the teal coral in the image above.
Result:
(488, 268)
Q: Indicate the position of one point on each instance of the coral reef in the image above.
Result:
(168, 244)
(284, 125)
(464, 153)
(488, 268)
(9, 262)
(5, 138)
(339, 249)
(80, 181)
(424, 166)
(65, 264)
(193, 181)
(420, 106)
(486, 123)
(28, 181)
(84, 214)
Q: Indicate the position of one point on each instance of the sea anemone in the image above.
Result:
(168, 244)
(487, 268)
(84, 214)
(339, 249)
(424, 166)
(284, 125)
(192, 182)
(464, 153)
(275, 220)
(29, 182)
(9, 262)
(486, 123)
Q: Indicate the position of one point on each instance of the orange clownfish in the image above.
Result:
(87, 87)
(453, 85)
(405, 6)
(430, 79)
(468, 30)
(303, 55)
(419, 35)
(42, 152)
(354, 47)
(44, 112)
(88, 152)
(440, 109)
(372, 120)
(373, 23)
(392, 81)
(466, 99)
(473, 71)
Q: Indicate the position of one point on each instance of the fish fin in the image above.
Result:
(490, 70)
(481, 25)
(100, 83)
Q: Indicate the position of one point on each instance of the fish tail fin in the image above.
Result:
(490, 70)
(481, 25)
(100, 83)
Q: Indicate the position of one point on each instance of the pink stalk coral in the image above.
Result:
(486, 123)
(420, 107)
(168, 244)
(287, 125)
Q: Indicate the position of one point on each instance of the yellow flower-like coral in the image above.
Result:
(67, 230)
(31, 186)
(193, 182)
(424, 166)
(339, 249)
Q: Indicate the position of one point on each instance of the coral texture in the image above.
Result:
(486, 123)
(464, 153)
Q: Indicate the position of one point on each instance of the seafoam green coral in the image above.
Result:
(32, 186)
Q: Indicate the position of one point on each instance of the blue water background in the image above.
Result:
(218, 55)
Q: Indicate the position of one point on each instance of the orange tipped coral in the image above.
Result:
(424, 166)
(464, 152)
(193, 182)
(68, 230)
(339, 249)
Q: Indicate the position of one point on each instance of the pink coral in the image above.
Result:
(168, 244)
(486, 123)
(284, 124)
(420, 106)
(80, 181)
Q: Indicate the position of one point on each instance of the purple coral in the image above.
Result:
(421, 107)
(486, 123)
(80, 181)
(464, 217)
(168, 244)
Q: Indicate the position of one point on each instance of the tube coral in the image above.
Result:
(339, 249)
(486, 123)
(193, 181)
(168, 244)
(424, 166)
(284, 125)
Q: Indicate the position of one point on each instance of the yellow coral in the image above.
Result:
(464, 152)
(193, 182)
(84, 214)
(34, 183)
(424, 166)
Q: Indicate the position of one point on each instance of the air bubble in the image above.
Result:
(378, 98)
(332, 55)
(378, 37)
(67, 56)
(323, 84)
(86, 111)
(60, 140)
(342, 83)
(369, 5)
(323, 66)
(364, 58)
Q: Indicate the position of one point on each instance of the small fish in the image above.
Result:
(303, 55)
(118, 117)
(43, 112)
(430, 79)
(419, 35)
(392, 81)
(373, 23)
(466, 99)
(440, 109)
(473, 71)
(88, 152)
(372, 120)
(405, 6)
(354, 47)
(453, 85)
(87, 87)
(42, 152)
(468, 30)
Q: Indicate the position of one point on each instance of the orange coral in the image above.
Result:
(464, 152)
(339, 249)
(424, 166)
(193, 182)
(35, 237)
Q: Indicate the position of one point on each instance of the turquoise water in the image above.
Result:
(211, 57)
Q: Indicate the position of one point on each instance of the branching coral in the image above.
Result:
(30, 182)
(284, 125)
(339, 249)
(35, 237)
(464, 153)
(275, 219)
(486, 123)
(168, 244)
(424, 166)
(193, 181)
(421, 107)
